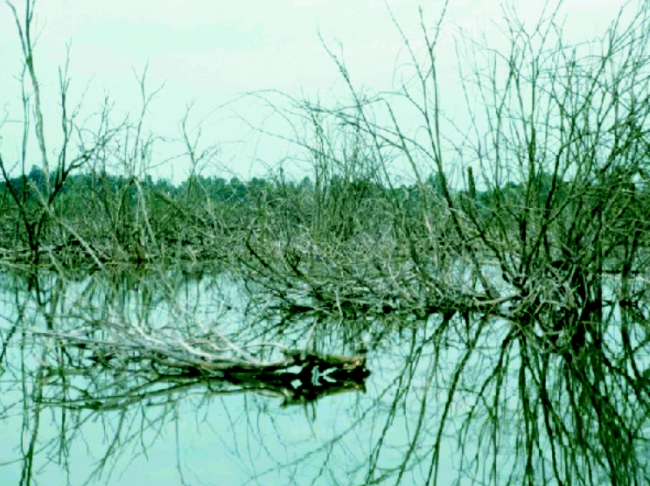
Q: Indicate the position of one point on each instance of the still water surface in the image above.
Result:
(75, 425)
(197, 437)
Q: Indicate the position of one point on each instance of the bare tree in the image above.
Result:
(546, 229)
(78, 144)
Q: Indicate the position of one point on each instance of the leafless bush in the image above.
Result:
(546, 231)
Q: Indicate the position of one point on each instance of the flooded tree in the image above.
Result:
(533, 244)
(483, 321)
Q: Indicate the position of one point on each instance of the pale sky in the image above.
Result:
(208, 52)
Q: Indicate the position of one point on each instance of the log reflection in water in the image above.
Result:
(455, 397)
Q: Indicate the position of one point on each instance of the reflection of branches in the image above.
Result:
(389, 437)
(513, 404)
(134, 361)
(542, 412)
(520, 411)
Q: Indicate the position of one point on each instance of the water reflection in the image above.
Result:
(104, 381)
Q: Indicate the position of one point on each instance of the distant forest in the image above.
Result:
(103, 218)
(238, 191)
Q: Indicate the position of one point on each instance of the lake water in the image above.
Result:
(197, 434)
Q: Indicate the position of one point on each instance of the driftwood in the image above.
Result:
(119, 373)
(303, 376)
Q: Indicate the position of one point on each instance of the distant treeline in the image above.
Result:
(238, 191)
(112, 218)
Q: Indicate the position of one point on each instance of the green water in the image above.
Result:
(66, 420)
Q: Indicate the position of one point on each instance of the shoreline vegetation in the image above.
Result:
(536, 215)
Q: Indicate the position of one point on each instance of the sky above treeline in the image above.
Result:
(209, 53)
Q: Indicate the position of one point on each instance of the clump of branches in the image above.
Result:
(132, 364)
(544, 227)
(91, 202)
(35, 203)
(353, 242)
